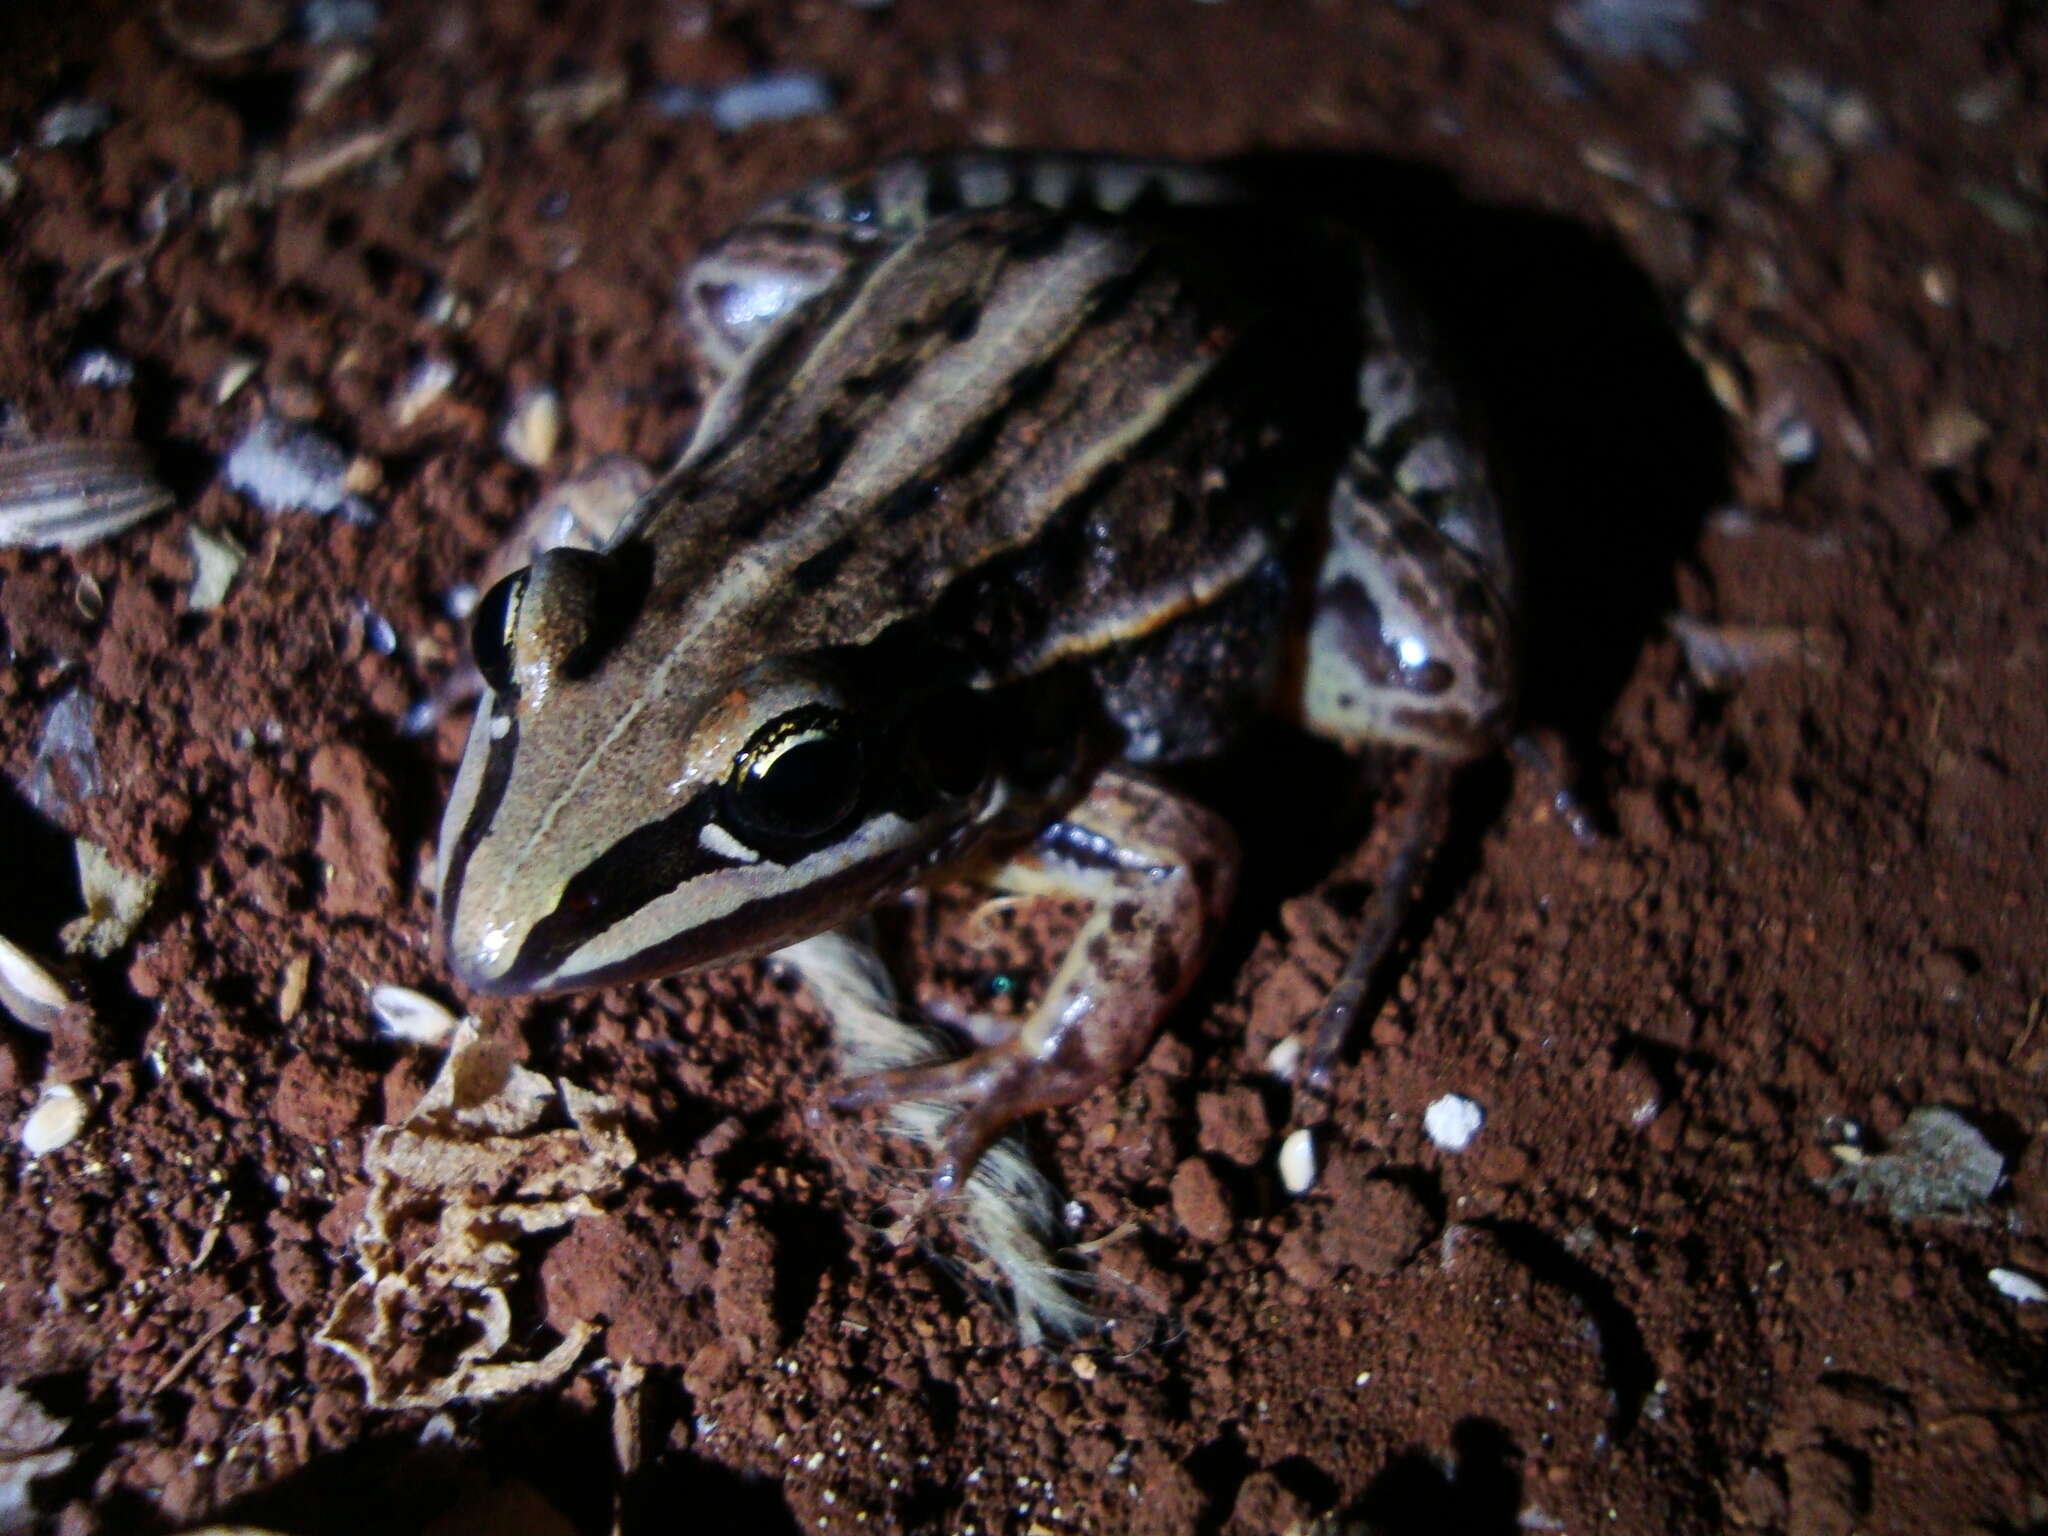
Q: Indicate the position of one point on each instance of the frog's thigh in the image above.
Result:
(1158, 871)
(1408, 639)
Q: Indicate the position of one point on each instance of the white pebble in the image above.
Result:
(55, 1121)
(428, 382)
(102, 369)
(216, 560)
(1284, 1058)
(1452, 1121)
(287, 468)
(770, 99)
(1298, 1161)
(73, 122)
(411, 1016)
(534, 427)
(2019, 1285)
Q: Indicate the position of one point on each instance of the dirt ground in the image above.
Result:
(1753, 295)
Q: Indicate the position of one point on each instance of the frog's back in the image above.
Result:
(1020, 435)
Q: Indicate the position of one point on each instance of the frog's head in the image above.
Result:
(626, 809)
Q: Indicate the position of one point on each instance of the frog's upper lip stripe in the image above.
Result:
(754, 928)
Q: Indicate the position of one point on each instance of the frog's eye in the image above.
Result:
(799, 778)
(553, 620)
(492, 631)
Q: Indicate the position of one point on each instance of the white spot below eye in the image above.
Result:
(500, 724)
(1413, 652)
(715, 840)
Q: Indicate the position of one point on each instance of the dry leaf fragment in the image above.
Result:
(291, 992)
(322, 162)
(216, 560)
(115, 903)
(493, 1152)
(74, 491)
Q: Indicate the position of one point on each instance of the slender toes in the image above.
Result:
(964, 1078)
(969, 1136)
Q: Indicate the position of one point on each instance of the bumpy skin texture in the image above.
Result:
(1016, 467)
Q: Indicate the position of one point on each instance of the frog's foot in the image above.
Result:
(1007, 1210)
(1416, 839)
(1535, 755)
(1158, 871)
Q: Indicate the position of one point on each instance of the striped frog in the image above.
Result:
(1016, 476)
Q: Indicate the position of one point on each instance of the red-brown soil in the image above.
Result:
(1632, 1304)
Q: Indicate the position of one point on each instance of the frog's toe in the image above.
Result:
(994, 1087)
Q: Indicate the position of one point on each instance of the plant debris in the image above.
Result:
(285, 467)
(28, 991)
(1938, 1165)
(216, 561)
(72, 492)
(115, 903)
(493, 1154)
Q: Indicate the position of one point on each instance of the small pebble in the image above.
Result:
(1452, 1121)
(534, 427)
(1794, 441)
(55, 1121)
(2019, 1285)
(1952, 437)
(235, 372)
(428, 382)
(67, 762)
(283, 467)
(216, 560)
(101, 369)
(1284, 1058)
(1660, 30)
(770, 99)
(1298, 1161)
(411, 1016)
(338, 21)
(73, 122)
(378, 632)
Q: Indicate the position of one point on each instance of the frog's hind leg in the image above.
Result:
(1409, 638)
(1007, 1208)
(1158, 871)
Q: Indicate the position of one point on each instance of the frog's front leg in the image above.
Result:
(1158, 871)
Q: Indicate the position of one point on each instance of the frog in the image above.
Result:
(1019, 479)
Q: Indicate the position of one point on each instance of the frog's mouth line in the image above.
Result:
(807, 904)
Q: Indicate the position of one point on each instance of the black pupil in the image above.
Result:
(804, 790)
(490, 639)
